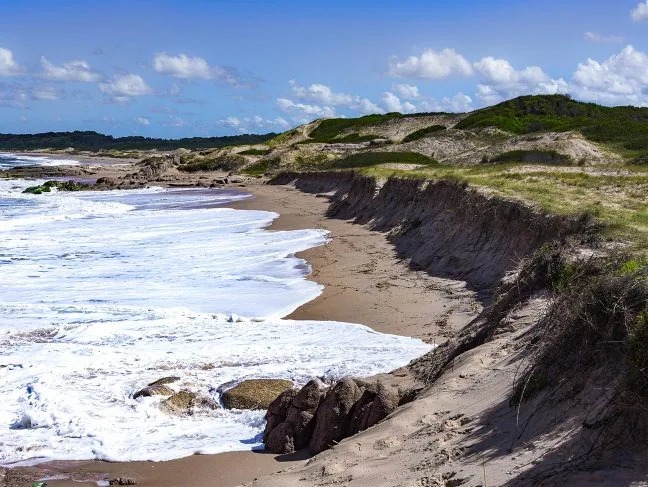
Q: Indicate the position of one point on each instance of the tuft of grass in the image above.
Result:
(255, 152)
(424, 132)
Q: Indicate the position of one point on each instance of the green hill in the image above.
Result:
(626, 127)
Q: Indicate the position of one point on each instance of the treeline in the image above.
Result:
(93, 141)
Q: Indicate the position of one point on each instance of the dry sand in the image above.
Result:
(364, 283)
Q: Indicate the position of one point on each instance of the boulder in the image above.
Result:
(292, 415)
(184, 402)
(385, 402)
(333, 415)
(154, 390)
(277, 411)
(164, 380)
(254, 393)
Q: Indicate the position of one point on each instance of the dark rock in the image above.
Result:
(122, 481)
(154, 390)
(310, 396)
(277, 411)
(385, 402)
(164, 380)
(333, 415)
(281, 440)
(360, 412)
(254, 393)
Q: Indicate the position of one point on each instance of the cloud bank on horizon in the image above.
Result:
(160, 84)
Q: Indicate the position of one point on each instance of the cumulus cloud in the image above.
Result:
(407, 92)
(182, 66)
(640, 12)
(186, 67)
(602, 38)
(143, 121)
(70, 71)
(620, 79)
(393, 104)
(305, 110)
(431, 65)
(320, 94)
(124, 87)
(8, 67)
(500, 80)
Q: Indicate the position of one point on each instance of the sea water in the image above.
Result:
(102, 293)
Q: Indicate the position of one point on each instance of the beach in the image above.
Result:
(364, 281)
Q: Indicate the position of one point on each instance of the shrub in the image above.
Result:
(531, 157)
(424, 132)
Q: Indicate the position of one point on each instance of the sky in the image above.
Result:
(208, 67)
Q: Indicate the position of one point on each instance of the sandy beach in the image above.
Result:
(364, 283)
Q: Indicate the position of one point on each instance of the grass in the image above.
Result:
(223, 163)
(47, 186)
(258, 168)
(256, 152)
(532, 157)
(617, 198)
(330, 128)
(368, 159)
(419, 134)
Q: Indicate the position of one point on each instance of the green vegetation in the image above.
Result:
(258, 168)
(93, 141)
(625, 127)
(256, 152)
(228, 162)
(641, 160)
(47, 186)
(616, 198)
(368, 159)
(419, 134)
(330, 128)
(531, 157)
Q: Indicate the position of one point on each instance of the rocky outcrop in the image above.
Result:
(319, 416)
(153, 390)
(445, 228)
(254, 393)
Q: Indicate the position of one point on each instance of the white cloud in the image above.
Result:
(393, 104)
(620, 79)
(255, 123)
(320, 94)
(70, 71)
(8, 67)
(182, 66)
(46, 93)
(125, 87)
(366, 107)
(500, 80)
(431, 65)
(602, 38)
(304, 110)
(407, 92)
(185, 67)
(143, 121)
(640, 12)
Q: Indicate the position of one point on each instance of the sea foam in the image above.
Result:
(105, 292)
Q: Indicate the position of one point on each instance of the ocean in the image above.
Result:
(105, 292)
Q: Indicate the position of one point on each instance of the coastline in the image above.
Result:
(364, 283)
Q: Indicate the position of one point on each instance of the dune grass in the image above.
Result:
(617, 197)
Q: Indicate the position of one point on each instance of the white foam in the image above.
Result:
(103, 293)
(9, 159)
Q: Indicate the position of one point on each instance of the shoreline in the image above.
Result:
(364, 282)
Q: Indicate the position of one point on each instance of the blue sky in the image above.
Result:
(199, 68)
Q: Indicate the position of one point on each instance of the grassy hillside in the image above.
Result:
(625, 127)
